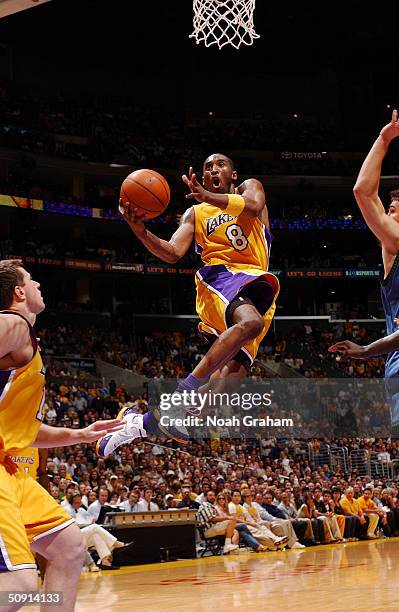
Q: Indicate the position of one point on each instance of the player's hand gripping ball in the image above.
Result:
(147, 191)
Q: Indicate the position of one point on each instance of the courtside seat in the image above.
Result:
(213, 545)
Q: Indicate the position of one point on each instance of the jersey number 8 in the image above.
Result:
(237, 237)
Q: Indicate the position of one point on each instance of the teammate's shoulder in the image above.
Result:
(13, 321)
(15, 336)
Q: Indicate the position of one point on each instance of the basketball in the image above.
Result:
(146, 190)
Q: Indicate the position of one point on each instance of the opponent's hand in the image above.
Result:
(391, 131)
(348, 350)
(99, 429)
(197, 191)
(132, 216)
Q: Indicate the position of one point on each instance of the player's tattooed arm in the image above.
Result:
(184, 235)
(366, 189)
(174, 249)
(14, 336)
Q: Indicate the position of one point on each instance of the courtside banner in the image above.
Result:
(124, 267)
(19, 202)
(83, 264)
(294, 408)
(87, 365)
(139, 268)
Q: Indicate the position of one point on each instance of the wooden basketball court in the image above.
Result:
(358, 577)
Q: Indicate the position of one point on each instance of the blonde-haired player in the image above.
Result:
(29, 516)
(235, 292)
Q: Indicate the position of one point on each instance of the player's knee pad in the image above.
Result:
(259, 294)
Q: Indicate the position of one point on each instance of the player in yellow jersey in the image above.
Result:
(33, 461)
(29, 516)
(235, 292)
(28, 460)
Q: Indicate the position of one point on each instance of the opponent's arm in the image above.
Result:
(251, 190)
(366, 189)
(383, 346)
(170, 251)
(14, 335)
(49, 437)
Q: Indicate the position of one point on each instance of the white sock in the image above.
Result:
(227, 541)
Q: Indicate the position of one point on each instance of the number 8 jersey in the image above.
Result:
(235, 251)
(239, 242)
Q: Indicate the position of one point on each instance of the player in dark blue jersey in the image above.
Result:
(385, 226)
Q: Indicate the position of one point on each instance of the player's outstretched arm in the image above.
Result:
(170, 251)
(251, 191)
(347, 349)
(14, 336)
(49, 437)
(366, 189)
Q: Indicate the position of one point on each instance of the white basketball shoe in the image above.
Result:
(132, 430)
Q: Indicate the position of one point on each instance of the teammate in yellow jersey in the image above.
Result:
(29, 516)
(28, 460)
(235, 292)
(33, 461)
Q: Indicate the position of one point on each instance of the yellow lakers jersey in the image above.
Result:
(21, 401)
(239, 242)
(239, 511)
(27, 460)
(252, 512)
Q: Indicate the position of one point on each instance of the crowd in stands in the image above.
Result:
(172, 354)
(313, 341)
(167, 355)
(301, 205)
(157, 355)
(104, 130)
(268, 493)
(162, 354)
(318, 262)
(112, 250)
(91, 248)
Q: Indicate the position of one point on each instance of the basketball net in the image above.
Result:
(224, 22)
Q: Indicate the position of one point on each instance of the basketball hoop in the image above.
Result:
(224, 22)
